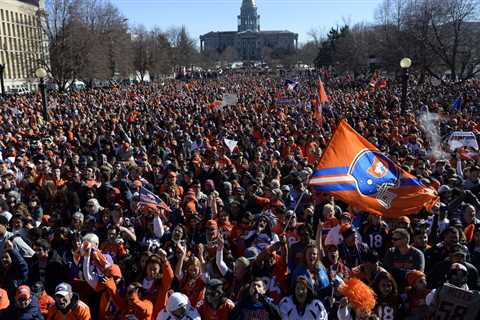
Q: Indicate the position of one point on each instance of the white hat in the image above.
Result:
(63, 289)
(176, 301)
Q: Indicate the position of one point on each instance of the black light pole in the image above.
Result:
(41, 74)
(2, 85)
(405, 63)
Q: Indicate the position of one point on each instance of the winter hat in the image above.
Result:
(413, 276)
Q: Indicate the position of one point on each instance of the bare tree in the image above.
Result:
(439, 34)
(142, 55)
(184, 49)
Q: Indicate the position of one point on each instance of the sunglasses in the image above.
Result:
(396, 239)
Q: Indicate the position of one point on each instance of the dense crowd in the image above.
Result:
(239, 233)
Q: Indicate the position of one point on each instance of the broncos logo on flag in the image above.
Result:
(379, 168)
(374, 175)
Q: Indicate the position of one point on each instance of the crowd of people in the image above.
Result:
(238, 233)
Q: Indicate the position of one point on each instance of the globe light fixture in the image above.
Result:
(405, 63)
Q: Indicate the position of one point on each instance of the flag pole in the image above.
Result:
(294, 210)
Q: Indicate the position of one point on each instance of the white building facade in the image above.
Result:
(23, 43)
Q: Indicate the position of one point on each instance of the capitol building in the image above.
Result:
(249, 41)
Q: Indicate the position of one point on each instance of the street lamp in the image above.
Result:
(2, 85)
(405, 63)
(41, 73)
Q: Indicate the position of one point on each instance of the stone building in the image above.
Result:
(23, 42)
(248, 41)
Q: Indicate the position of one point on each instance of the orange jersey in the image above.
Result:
(194, 290)
(222, 313)
(80, 312)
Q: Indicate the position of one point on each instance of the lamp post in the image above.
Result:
(405, 63)
(2, 85)
(41, 73)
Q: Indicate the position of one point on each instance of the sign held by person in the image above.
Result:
(455, 303)
(459, 139)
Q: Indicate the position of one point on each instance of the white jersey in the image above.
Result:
(191, 314)
(314, 310)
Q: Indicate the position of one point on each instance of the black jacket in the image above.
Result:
(56, 271)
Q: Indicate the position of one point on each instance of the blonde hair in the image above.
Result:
(327, 207)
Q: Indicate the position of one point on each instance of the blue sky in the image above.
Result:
(202, 16)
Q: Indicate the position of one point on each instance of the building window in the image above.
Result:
(6, 15)
(1, 14)
(12, 66)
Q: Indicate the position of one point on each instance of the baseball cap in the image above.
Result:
(251, 253)
(63, 289)
(444, 188)
(23, 292)
(213, 283)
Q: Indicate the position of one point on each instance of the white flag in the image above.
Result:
(231, 144)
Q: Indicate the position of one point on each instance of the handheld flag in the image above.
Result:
(355, 171)
(457, 104)
(459, 139)
(318, 105)
(231, 144)
(151, 200)
(321, 92)
(291, 85)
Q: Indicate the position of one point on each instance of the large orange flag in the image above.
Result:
(356, 172)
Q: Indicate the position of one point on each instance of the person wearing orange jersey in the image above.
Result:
(133, 307)
(68, 306)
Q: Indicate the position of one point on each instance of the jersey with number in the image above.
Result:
(453, 303)
(387, 311)
(313, 311)
(375, 237)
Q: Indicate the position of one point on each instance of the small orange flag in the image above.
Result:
(321, 92)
